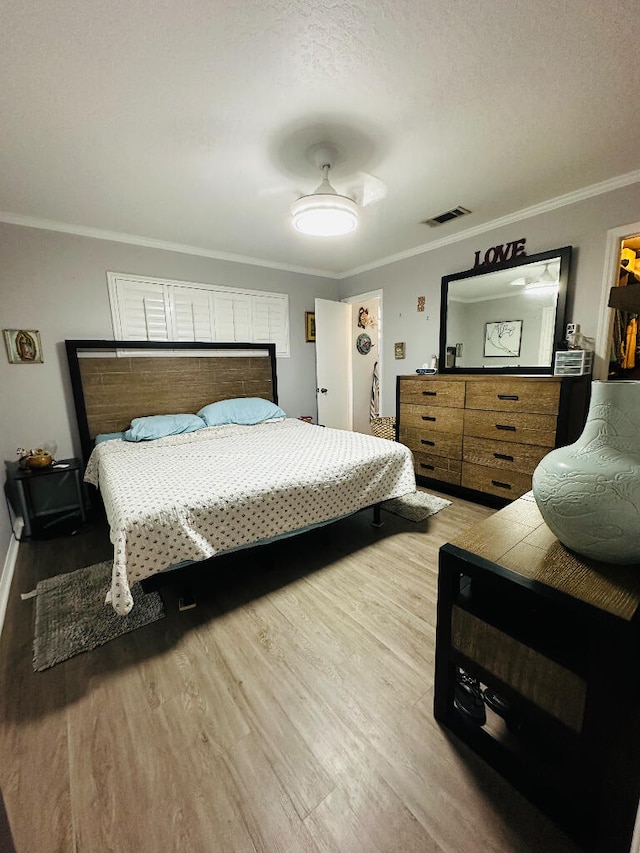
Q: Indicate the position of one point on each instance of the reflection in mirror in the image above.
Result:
(507, 318)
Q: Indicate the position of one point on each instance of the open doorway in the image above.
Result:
(617, 346)
(366, 363)
(349, 372)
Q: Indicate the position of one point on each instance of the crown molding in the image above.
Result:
(518, 216)
(150, 243)
(146, 242)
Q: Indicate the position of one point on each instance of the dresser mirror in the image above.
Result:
(505, 318)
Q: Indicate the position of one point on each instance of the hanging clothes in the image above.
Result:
(374, 405)
(617, 354)
(629, 360)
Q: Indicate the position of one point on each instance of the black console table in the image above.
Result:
(548, 645)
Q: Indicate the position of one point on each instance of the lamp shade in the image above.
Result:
(324, 214)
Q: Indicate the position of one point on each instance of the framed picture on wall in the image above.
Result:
(502, 338)
(310, 327)
(23, 346)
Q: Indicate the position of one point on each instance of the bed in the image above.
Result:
(185, 498)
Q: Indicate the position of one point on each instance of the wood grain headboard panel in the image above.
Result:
(110, 391)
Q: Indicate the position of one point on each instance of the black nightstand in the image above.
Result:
(48, 499)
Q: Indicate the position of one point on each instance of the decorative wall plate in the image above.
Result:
(363, 344)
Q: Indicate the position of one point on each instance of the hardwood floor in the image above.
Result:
(290, 711)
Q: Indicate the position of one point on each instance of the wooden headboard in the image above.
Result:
(116, 381)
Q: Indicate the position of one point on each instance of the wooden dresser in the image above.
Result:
(488, 433)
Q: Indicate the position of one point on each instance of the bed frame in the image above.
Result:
(116, 381)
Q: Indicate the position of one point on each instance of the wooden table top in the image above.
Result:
(517, 538)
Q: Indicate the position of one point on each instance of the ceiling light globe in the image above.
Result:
(324, 215)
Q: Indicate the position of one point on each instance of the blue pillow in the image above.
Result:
(157, 426)
(107, 436)
(241, 410)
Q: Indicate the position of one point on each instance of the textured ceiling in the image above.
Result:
(190, 122)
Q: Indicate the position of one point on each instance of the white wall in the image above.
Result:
(583, 225)
(56, 283)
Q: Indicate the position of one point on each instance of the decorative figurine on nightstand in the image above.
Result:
(39, 458)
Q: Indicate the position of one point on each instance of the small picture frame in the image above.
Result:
(310, 327)
(23, 346)
(399, 350)
(502, 339)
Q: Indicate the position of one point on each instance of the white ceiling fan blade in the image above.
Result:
(369, 189)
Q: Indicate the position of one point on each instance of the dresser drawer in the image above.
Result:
(437, 418)
(437, 467)
(506, 455)
(426, 440)
(519, 427)
(514, 396)
(506, 484)
(434, 392)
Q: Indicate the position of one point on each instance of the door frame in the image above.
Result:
(609, 278)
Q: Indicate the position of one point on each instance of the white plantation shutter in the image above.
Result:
(232, 317)
(270, 320)
(191, 309)
(143, 310)
(161, 310)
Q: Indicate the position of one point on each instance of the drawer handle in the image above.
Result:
(429, 418)
(508, 397)
(425, 441)
(428, 467)
(503, 456)
(501, 485)
(507, 427)
(429, 393)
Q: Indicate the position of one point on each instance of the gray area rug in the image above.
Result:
(71, 616)
(416, 506)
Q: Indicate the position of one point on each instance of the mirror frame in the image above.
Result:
(522, 261)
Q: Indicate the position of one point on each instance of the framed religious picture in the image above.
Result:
(23, 346)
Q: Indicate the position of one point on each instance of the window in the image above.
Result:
(145, 309)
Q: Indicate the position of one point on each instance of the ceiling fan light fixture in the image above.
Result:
(324, 213)
(546, 282)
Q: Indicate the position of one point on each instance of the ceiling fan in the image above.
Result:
(325, 212)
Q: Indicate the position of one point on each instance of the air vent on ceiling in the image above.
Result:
(446, 217)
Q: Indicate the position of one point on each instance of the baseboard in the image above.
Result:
(8, 569)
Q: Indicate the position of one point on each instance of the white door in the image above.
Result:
(333, 364)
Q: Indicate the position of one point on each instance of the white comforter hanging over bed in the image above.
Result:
(188, 497)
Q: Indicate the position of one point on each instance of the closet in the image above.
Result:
(624, 357)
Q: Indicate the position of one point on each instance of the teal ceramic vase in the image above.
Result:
(589, 492)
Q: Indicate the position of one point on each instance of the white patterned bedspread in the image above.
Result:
(188, 497)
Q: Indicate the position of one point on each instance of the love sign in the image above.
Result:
(500, 254)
